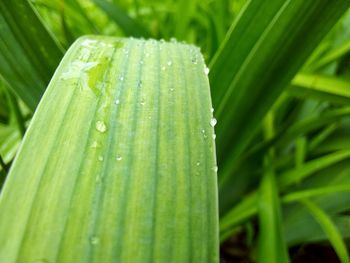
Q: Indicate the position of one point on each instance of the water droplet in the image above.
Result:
(194, 60)
(212, 109)
(215, 169)
(206, 70)
(88, 42)
(118, 158)
(163, 68)
(172, 89)
(204, 134)
(101, 126)
(100, 158)
(198, 163)
(117, 101)
(141, 62)
(213, 122)
(173, 40)
(147, 54)
(94, 240)
(169, 63)
(94, 144)
(214, 136)
(121, 78)
(142, 102)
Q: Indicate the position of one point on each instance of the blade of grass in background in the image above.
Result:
(183, 14)
(28, 52)
(121, 159)
(272, 247)
(248, 207)
(330, 229)
(122, 19)
(305, 126)
(332, 56)
(298, 195)
(263, 50)
(321, 87)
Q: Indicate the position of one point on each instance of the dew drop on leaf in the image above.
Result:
(101, 126)
(118, 158)
(213, 122)
(194, 60)
(94, 144)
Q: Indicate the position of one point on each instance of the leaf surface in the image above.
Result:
(118, 164)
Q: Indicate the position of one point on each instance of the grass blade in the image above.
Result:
(300, 173)
(272, 247)
(122, 19)
(329, 228)
(321, 87)
(262, 52)
(24, 39)
(121, 160)
(247, 208)
(313, 192)
(332, 56)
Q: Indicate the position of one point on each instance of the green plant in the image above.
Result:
(118, 162)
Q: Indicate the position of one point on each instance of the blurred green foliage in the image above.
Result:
(308, 143)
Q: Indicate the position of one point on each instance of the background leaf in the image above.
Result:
(28, 52)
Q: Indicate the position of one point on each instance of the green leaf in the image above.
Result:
(247, 208)
(321, 87)
(332, 56)
(122, 19)
(28, 52)
(271, 247)
(184, 12)
(330, 229)
(264, 49)
(313, 192)
(118, 164)
(302, 127)
(300, 173)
